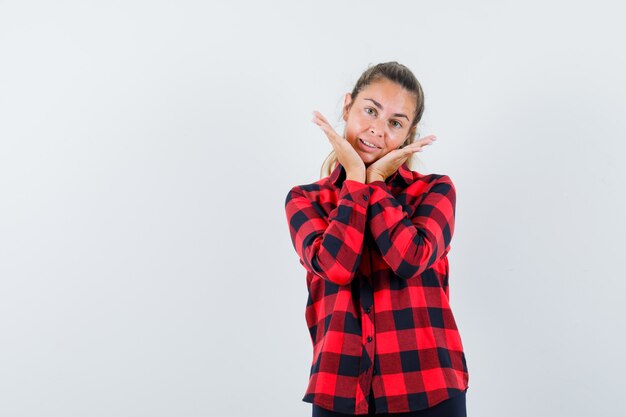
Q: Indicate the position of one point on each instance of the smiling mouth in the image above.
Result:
(369, 145)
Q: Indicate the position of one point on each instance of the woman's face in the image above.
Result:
(380, 115)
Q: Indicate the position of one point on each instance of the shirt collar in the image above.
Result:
(403, 173)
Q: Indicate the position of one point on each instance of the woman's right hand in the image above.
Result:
(346, 154)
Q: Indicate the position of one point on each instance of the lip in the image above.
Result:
(366, 148)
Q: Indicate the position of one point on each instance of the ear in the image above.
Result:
(347, 100)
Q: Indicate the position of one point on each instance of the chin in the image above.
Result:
(369, 161)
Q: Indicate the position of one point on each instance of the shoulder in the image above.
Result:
(310, 191)
(434, 182)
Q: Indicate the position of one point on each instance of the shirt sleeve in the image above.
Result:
(412, 245)
(330, 246)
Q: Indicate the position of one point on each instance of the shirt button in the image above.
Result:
(369, 338)
(366, 197)
(374, 372)
(368, 310)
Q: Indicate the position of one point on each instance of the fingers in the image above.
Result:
(318, 116)
(321, 121)
(427, 140)
(418, 145)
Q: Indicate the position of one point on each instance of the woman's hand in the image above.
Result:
(346, 154)
(388, 164)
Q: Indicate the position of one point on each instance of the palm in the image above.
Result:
(389, 163)
(346, 154)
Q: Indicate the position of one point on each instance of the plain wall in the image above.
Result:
(146, 149)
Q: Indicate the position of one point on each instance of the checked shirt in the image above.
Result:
(378, 309)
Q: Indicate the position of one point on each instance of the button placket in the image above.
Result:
(367, 328)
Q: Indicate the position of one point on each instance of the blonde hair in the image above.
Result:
(398, 73)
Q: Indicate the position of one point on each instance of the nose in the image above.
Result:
(375, 129)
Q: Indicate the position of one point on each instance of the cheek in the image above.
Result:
(398, 138)
(357, 127)
(352, 130)
(392, 144)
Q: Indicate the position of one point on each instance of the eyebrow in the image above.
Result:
(381, 107)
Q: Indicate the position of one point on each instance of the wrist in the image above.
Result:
(374, 177)
(360, 177)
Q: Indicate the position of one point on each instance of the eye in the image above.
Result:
(368, 109)
(397, 124)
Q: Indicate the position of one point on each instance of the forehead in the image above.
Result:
(392, 96)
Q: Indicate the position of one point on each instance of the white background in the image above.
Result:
(146, 149)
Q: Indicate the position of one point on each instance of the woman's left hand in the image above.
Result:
(388, 164)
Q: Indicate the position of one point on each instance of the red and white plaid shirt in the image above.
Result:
(378, 310)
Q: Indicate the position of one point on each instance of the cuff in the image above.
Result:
(380, 191)
(356, 191)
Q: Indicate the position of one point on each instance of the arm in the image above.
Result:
(330, 246)
(410, 246)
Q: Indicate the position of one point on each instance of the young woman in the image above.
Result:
(373, 236)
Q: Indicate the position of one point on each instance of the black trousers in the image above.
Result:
(452, 407)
